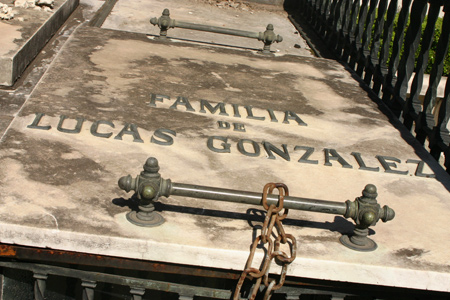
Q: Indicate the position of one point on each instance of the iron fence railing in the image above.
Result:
(40, 273)
(89, 280)
(36, 280)
(387, 43)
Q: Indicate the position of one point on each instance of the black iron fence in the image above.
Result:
(26, 281)
(36, 273)
(34, 280)
(387, 43)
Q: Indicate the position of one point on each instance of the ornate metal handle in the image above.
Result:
(164, 23)
(149, 186)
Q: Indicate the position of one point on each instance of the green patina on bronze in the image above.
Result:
(149, 186)
(164, 22)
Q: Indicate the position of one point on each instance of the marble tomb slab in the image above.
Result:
(134, 16)
(58, 182)
(25, 35)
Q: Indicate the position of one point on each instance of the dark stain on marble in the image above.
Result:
(43, 160)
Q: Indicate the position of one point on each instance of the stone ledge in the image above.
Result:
(34, 34)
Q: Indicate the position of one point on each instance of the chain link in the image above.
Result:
(273, 219)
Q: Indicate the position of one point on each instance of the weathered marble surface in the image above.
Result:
(23, 37)
(59, 190)
(134, 16)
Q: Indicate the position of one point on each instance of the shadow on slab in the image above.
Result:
(254, 217)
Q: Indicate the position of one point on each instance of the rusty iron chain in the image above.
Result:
(273, 219)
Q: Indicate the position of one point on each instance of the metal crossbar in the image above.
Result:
(164, 22)
(149, 186)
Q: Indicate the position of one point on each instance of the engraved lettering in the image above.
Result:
(289, 115)
(182, 101)
(250, 115)
(306, 155)
(159, 98)
(241, 148)
(282, 153)
(94, 129)
(164, 138)
(130, 129)
(236, 110)
(419, 169)
(331, 154)
(219, 106)
(36, 121)
(221, 144)
(77, 128)
(389, 165)
(225, 146)
(362, 164)
(239, 127)
(223, 125)
(224, 109)
(273, 118)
